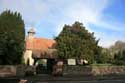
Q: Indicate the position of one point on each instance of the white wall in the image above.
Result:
(28, 55)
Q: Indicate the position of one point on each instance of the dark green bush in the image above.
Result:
(119, 62)
(29, 73)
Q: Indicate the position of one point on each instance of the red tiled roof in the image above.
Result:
(39, 43)
(49, 53)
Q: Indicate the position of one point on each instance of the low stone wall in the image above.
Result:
(93, 70)
(107, 70)
(22, 70)
(77, 70)
(19, 70)
(7, 70)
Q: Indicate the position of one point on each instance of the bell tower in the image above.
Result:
(29, 47)
(31, 33)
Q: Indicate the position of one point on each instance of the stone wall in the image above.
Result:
(93, 70)
(77, 70)
(7, 70)
(19, 70)
(107, 70)
(22, 70)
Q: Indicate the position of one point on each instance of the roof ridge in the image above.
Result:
(43, 38)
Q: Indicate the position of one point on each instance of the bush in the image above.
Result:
(119, 62)
(29, 73)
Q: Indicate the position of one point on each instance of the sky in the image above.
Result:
(106, 18)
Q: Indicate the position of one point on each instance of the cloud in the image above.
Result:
(49, 16)
(91, 12)
(31, 10)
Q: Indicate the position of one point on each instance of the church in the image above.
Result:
(38, 48)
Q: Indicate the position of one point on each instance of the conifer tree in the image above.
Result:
(12, 35)
(76, 41)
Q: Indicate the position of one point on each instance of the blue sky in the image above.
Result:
(104, 17)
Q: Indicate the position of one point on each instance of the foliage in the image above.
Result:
(12, 34)
(117, 51)
(119, 58)
(104, 57)
(118, 62)
(76, 42)
(117, 47)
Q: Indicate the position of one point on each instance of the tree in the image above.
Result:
(118, 52)
(119, 46)
(12, 35)
(76, 42)
(104, 57)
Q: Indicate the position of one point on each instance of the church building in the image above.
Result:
(38, 48)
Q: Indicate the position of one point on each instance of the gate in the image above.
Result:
(45, 68)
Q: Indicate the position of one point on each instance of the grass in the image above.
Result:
(101, 65)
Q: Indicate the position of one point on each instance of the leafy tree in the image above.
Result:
(104, 57)
(119, 46)
(12, 34)
(76, 42)
(118, 56)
